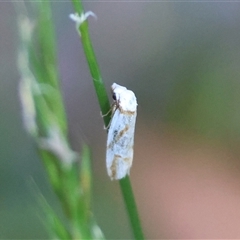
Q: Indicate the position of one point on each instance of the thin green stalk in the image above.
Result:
(95, 72)
(131, 206)
(101, 92)
(93, 66)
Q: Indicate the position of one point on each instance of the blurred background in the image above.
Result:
(182, 61)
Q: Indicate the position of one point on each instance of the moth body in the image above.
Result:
(120, 139)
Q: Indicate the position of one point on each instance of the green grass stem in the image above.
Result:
(102, 96)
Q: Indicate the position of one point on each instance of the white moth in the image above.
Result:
(121, 133)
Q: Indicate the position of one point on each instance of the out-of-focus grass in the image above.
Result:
(44, 118)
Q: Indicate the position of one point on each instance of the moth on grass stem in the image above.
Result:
(120, 138)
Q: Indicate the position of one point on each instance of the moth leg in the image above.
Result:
(107, 127)
(104, 115)
(112, 110)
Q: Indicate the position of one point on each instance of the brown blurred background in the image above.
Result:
(182, 61)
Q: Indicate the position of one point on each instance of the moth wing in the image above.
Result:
(120, 144)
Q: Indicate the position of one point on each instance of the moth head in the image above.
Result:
(114, 96)
(125, 98)
(117, 90)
